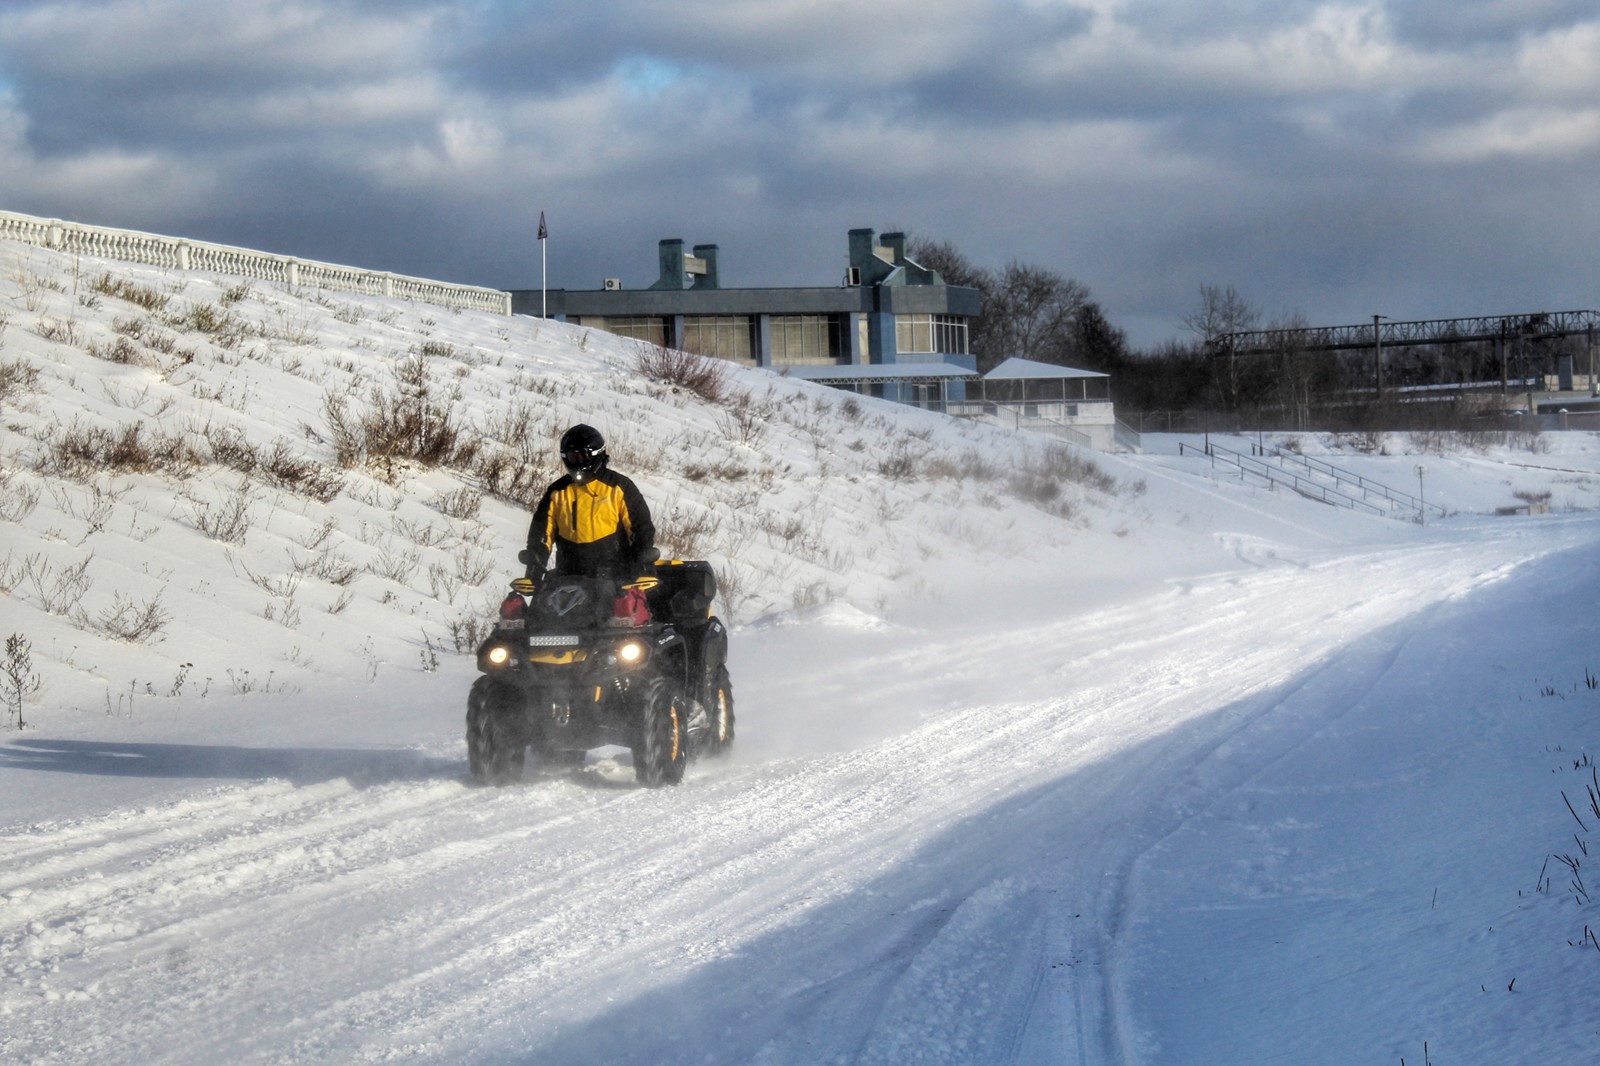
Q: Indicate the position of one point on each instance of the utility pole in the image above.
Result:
(1377, 351)
(1594, 388)
(544, 301)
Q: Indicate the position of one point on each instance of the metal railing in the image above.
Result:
(1367, 486)
(173, 253)
(1127, 436)
(1009, 417)
(1307, 487)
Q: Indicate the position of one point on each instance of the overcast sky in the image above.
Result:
(1344, 159)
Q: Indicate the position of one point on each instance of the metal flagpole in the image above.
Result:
(544, 234)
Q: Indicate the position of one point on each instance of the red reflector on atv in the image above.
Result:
(513, 608)
(630, 609)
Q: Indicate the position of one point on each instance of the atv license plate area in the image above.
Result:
(545, 640)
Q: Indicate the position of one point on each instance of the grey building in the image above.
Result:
(889, 327)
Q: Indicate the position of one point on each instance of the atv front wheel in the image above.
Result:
(720, 706)
(662, 750)
(495, 747)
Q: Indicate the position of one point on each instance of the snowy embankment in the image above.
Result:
(1038, 761)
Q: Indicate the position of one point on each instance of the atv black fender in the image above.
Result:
(708, 651)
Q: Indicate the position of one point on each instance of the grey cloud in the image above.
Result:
(1145, 151)
(171, 72)
(1494, 24)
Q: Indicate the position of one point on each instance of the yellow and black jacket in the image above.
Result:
(600, 528)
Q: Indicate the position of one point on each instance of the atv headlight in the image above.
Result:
(498, 655)
(632, 653)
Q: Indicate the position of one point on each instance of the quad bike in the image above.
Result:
(576, 663)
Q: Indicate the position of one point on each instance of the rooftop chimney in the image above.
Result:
(671, 254)
(707, 278)
(869, 263)
(896, 243)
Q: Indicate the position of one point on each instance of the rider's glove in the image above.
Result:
(535, 567)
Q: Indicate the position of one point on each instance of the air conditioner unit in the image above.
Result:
(613, 284)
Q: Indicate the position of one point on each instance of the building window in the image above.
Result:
(723, 336)
(651, 329)
(946, 334)
(805, 339)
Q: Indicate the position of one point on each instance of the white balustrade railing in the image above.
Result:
(174, 253)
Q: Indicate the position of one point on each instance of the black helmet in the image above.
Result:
(583, 451)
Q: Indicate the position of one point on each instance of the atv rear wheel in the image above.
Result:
(662, 749)
(720, 707)
(495, 746)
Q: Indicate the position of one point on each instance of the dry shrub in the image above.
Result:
(899, 465)
(1042, 476)
(745, 422)
(702, 375)
(343, 429)
(462, 504)
(1477, 439)
(719, 470)
(17, 376)
(469, 630)
(304, 476)
(122, 350)
(505, 476)
(1530, 441)
(227, 521)
(229, 448)
(224, 328)
(688, 536)
(277, 464)
(1070, 464)
(144, 296)
(58, 330)
(408, 422)
(17, 498)
(82, 452)
(522, 423)
(968, 466)
(138, 623)
(166, 344)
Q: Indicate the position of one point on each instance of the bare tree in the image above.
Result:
(1035, 312)
(1097, 344)
(1222, 310)
(1296, 371)
(1028, 311)
(949, 261)
(956, 269)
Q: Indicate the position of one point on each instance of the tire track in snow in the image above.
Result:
(1248, 667)
(527, 910)
(280, 849)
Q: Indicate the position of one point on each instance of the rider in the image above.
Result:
(594, 519)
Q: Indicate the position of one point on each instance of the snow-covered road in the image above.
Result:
(921, 851)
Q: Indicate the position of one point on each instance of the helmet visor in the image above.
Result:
(580, 458)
